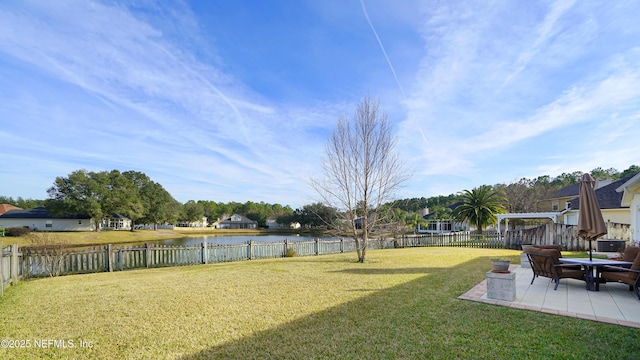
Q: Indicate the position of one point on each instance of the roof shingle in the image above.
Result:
(6, 207)
(39, 213)
(607, 196)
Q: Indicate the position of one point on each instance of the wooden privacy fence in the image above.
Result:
(618, 231)
(564, 235)
(486, 240)
(560, 234)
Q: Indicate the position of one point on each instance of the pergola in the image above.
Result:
(553, 216)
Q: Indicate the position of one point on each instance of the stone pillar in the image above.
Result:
(501, 286)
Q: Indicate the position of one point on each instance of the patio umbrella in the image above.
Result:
(590, 222)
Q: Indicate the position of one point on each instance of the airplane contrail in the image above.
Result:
(366, 15)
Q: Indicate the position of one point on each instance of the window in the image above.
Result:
(555, 205)
(116, 223)
(48, 223)
(439, 225)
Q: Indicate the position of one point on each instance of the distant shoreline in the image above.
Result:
(89, 238)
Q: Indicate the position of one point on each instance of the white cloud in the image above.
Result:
(546, 31)
(157, 92)
(501, 82)
(149, 86)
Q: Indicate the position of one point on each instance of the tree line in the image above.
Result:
(257, 211)
(136, 196)
(520, 196)
(481, 205)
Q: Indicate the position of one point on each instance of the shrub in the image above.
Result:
(290, 252)
(18, 231)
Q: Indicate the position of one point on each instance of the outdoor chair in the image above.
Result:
(630, 253)
(629, 276)
(545, 263)
(557, 247)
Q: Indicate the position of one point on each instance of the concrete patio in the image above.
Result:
(613, 304)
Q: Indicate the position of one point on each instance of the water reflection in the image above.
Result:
(236, 239)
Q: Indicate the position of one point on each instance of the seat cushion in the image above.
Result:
(628, 277)
(555, 247)
(555, 253)
(635, 266)
(630, 253)
(622, 276)
(559, 249)
(546, 266)
(571, 273)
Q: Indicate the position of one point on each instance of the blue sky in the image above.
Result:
(235, 100)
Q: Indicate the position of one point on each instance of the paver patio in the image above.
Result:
(613, 304)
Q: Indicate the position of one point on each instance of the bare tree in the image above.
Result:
(47, 251)
(362, 171)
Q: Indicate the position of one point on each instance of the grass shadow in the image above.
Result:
(386, 271)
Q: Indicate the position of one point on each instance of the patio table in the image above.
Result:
(593, 284)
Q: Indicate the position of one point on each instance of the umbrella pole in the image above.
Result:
(590, 252)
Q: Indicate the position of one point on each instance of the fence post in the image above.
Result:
(250, 250)
(286, 246)
(147, 255)
(317, 246)
(1, 270)
(109, 263)
(205, 255)
(14, 264)
(341, 245)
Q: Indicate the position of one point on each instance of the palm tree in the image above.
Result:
(480, 206)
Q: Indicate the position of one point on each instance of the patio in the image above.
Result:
(613, 304)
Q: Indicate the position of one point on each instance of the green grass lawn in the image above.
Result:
(400, 304)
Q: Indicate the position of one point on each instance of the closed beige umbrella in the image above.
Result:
(590, 222)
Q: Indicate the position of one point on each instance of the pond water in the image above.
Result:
(236, 239)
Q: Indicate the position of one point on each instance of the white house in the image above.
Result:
(616, 200)
(237, 222)
(115, 222)
(39, 219)
(610, 201)
(272, 223)
(194, 224)
(630, 190)
(439, 226)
